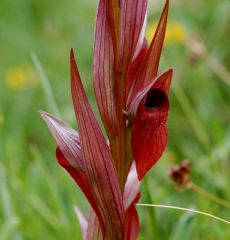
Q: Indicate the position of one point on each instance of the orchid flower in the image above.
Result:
(133, 103)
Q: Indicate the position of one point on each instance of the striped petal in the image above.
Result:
(98, 163)
(93, 230)
(133, 13)
(66, 138)
(104, 68)
(134, 66)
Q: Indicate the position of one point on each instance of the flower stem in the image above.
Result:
(208, 195)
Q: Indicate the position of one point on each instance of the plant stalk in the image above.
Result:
(208, 195)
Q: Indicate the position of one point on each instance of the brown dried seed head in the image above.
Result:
(180, 174)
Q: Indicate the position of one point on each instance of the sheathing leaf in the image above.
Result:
(104, 69)
(99, 167)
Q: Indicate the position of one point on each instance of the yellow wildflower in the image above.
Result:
(175, 33)
(20, 77)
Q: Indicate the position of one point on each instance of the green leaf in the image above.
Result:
(50, 100)
(183, 228)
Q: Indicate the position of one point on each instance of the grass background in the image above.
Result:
(36, 195)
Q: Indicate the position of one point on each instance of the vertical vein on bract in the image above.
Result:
(97, 159)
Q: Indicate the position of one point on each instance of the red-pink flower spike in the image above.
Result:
(117, 32)
(133, 103)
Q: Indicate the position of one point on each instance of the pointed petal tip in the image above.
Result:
(43, 114)
(72, 57)
(140, 175)
(169, 72)
(163, 81)
(79, 213)
(71, 52)
(167, 4)
(73, 66)
(166, 8)
(76, 208)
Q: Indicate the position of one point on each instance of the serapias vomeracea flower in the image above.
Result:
(133, 102)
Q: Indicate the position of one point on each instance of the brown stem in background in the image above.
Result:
(192, 186)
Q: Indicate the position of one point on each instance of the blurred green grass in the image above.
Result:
(37, 197)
